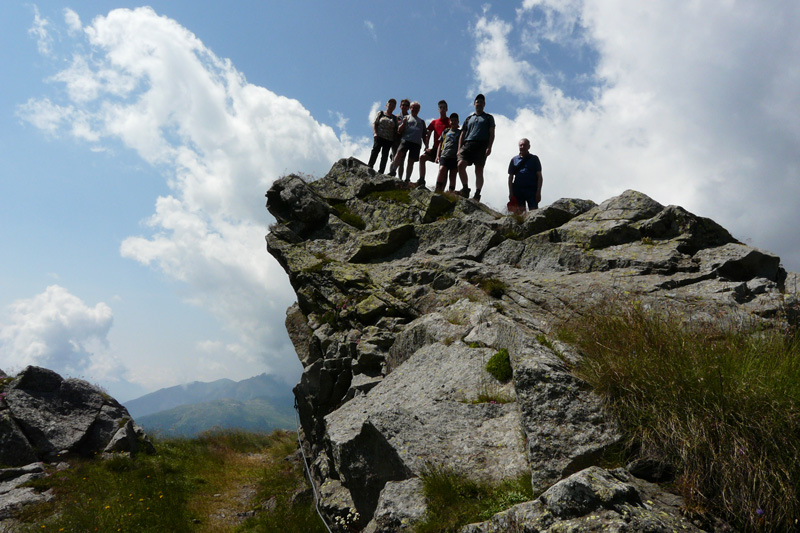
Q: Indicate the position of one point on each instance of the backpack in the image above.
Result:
(386, 126)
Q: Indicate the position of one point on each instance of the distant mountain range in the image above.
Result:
(260, 403)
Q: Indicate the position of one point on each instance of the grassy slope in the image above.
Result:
(211, 483)
(721, 405)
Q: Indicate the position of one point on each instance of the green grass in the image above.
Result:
(348, 216)
(499, 366)
(397, 196)
(493, 287)
(721, 405)
(187, 486)
(454, 500)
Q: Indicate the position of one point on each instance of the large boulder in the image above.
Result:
(593, 499)
(44, 417)
(402, 297)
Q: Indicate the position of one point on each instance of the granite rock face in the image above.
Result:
(403, 296)
(44, 417)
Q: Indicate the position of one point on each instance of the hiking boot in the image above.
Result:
(464, 192)
(477, 196)
(420, 184)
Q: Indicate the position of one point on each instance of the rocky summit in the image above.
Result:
(404, 295)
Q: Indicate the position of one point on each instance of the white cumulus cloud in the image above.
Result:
(150, 83)
(693, 103)
(57, 330)
(73, 21)
(494, 64)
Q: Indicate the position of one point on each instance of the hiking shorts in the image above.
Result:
(448, 162)
(430, 154)
(413, 150)
(474, 153)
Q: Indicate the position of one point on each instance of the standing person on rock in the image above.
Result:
(384, 131)
(435, 128)
(412, 129)
(475, 145)
(447, 156)
(405, 103)
(525, 178)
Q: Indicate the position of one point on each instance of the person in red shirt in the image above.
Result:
(435, 128)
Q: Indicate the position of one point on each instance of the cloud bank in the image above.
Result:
(57, 330)
(693, 103)
(152, 85)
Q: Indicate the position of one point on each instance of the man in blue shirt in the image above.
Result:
(525, 177)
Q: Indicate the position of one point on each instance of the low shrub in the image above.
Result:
(493, 287)
(499, 366)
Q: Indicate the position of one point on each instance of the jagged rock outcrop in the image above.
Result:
(403, 296)
(45, 418)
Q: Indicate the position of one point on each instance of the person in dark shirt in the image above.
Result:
(475, 145)
(525, 177)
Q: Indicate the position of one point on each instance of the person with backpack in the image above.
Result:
(384, 131)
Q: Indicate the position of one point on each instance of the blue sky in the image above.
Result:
(136, 144)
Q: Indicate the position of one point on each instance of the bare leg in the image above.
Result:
(453, 173)
(397, 163)
(422, 160)
(478, 178)
(462, 173)
(441, 178)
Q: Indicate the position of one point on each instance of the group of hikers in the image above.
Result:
(454, 149)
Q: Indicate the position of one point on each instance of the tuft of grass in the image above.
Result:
(454, 500)
(720, 405)
(544, 341)
(499, 366)
(488, 395)
(493, 287)
(190, 485)
(397, 196)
